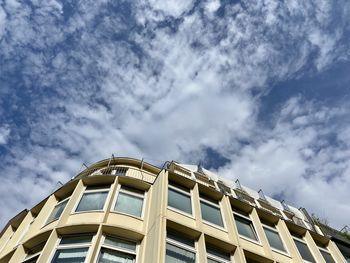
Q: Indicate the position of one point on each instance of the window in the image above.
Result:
(273, 237)
(179, 249)
(179, 198)
(327, 256)
(303, 250)
(325, 253)
(115, 249)
(211, 211)
(245, 225)
(93, 199)
(57, 211)
(215, 255)
(129, 201)
(72, 249)
(33, 254)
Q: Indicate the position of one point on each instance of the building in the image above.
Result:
(126, 210)
(340, 238)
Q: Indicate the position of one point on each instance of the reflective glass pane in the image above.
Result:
(76, 239)
(120, 243)
(212, 261)
(179, 200)
(113, 256)
(179, 238)
(129, 204)
(73, 255)
(304, 251)
(245, 227)
(327, 257)
(176, 254)
(218, 253)
(274, 239)
(211, 214)
(57, 211)
(92, 201)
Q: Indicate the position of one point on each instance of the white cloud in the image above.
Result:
(212, 5)
(4, 134)
(296, 159)
(174, 8)
(167, 89)
(2, 21)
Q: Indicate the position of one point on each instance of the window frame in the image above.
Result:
(87, 245)
(181, 191)
(241, 215)
(37, 254)
(217, 205)
(58, 203)
(128, 192)
(110, 247)
(274, 229)
(305, 243)
(182, 246)
(31, 257)
(98, 190)
(324, 249)
(216, 258)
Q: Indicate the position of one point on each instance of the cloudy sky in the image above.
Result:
(254, 89)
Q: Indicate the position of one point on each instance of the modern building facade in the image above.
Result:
(125, 210)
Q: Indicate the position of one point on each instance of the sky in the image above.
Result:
(255, 89)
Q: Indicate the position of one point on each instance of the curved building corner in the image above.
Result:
(126, 210)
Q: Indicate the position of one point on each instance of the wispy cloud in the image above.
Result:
(166, 80)
(301, 158)
(4, 134)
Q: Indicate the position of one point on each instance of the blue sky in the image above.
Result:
(256, 90)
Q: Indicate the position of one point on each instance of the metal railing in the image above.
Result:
(124, 171)
(244, 196)
(298, 221)
(205, 180)
(181, 171)
(223, 188)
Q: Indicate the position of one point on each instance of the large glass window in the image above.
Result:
(245, 226)
(93, 199)
(57, 211)
(129, 201)
(72, 249)
(179, 249)
(274, 238)
(115, 249)
(179, 198)
(215, 255)
(211, 211)
(303, 250)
